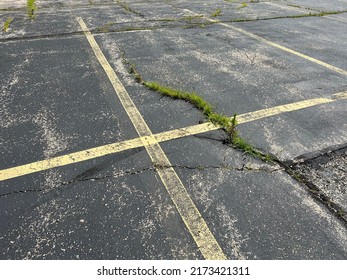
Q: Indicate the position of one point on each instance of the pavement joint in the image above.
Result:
(153, 168)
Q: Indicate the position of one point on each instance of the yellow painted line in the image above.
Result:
(186, 131)
(191, 216)
(113, 148)
(76, 157)
(278, 46)
(336, 18)
(299, 10)
(264, 113)
(340, 95)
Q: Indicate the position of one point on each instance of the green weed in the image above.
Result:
(127, 8)
(243, 5)
(7, 24)
(237, 142)
(31, 8)
(190, 18)
(216, 13)
(226, 123)
(137, 76)
(192, 98)
(229, 125)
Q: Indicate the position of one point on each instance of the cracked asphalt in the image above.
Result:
(56, 100)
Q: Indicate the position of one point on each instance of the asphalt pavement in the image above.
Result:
(94, 165)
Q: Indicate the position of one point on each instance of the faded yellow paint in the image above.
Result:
(185, 206)
(278, 46)
(299, 10)
(340, 95)
(264, 113)
(191, 216)
(42, 165)
(76, 157)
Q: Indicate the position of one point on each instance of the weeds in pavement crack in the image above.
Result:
(31, 8)
(243, 5)
(7, 24)
(229, 125)
(216, 13)
(128, 9)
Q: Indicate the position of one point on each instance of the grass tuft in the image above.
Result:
(190, 97)
(226, 123)
(216, 13)
(137, 76)
(229, 125)
(7, 24)
(31, 8)
(243, 5)
(237, 142)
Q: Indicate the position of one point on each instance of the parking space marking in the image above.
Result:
(278, 46)
(69, 159)
(113, 148)
(260, 114)
(196, 225)
(273, 44)
(298, 9)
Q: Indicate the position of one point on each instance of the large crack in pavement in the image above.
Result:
(325, 173)
(153, 168)
(316, 190)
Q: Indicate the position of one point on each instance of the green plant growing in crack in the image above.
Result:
(137, 76)
(226, 123)
(31, 8)
(127, 8)
(216, 13)
(7, 24)
(191, 18)
(236, 141)
(229, 125)
(243, 5)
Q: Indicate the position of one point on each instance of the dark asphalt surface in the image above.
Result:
(56, 99)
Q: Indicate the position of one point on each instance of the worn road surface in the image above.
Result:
(94, 165)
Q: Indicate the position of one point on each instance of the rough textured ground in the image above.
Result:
(328, 172)
(56, 99)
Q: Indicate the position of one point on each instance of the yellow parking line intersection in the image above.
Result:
(113, 148)
(191, 216)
